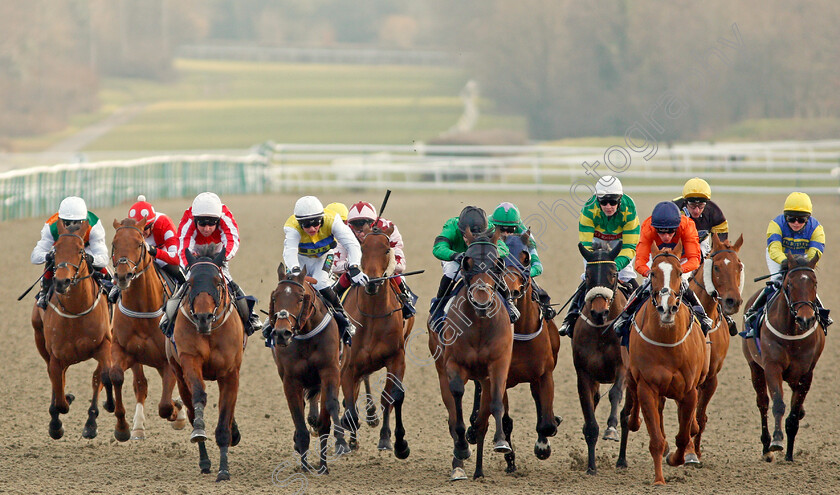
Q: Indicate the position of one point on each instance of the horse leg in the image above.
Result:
(372, 416)
(120, 362)
(474, 413)
(194, 380)
(797, 412)
(294, 399)
(394, 394)
(457, 472)
(100, 375)
(631, 405)
(60, 403)
(507, 427)
(349, 388)
(456, 388)
(313, 396)
(616, 391)
(331, 409)
(587, 392)
(773, 376)
(169, 409)
(706, 391)
(762, 401)
(649, 403)
(141, 391)
(481, 425)
(498, 372)
(228, 390)
(686, 411)
(543, 393)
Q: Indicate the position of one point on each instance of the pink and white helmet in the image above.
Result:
(360, 210)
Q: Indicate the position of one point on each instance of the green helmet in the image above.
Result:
(506, 214)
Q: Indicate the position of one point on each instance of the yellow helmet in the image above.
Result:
(697, 188)
(798, 201)
(338, 208)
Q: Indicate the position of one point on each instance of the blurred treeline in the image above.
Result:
(677, 68)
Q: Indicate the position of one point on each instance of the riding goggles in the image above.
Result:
(665, 231)
(206, 222)
(311, 222)
(796, 219)
(359, 223)
(507, 229)
(611, 200)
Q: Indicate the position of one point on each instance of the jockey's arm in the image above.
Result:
(629, 240)
(339, 264)
(774, 242)
(442, 249)
(817, 243)
(643, 252)
(397, 245)
(502, 249)
(42, 247)
(691, 246)
(344, 236)
(719, 224)
(230, 233)
(290, 247)
(586, 230)
(97, 247)
(166, 241)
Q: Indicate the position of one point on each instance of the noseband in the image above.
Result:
(666, 289)
(134, 264)
(611, 288)
(481, 285)
(300, 318)
(64, 264)
(794, 306)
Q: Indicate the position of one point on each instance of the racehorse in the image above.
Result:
(475, 342)
(306, 353)
(137, 339)
(207, 344)
(535, 346)
(791, 343)
(718, 284)
(667, 359)
(596, 349)
(376, 311)
(74, 328)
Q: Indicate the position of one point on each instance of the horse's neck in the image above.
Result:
(779, 305)
(529, 313)
(147, 288)
(709, 303)
(79, 297)
(376, 303)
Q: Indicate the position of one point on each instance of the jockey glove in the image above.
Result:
(89, 259)
(357, 275)
(153, 251)
(50, 258)
(458, 258)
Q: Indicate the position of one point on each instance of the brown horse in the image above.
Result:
(596, 349)
(207, 344)
(718, 284)
(137, 339)
(376, 311)
(667, 359)
(475, 342)
(792, 340)
(306, 353)
(74, 328)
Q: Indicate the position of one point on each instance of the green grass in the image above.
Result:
(781, 129)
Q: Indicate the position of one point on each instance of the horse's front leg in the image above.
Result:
(482, 422)
(194, 380)
(615, 394)
(169, 409)
(228, 390)
(141, 391)
(474, 413)
(294, 399)
(331, 410)
(498, 372)
(60, 403)
(90, 429)
(649, 402)
(686, 410)
(349, 388)
(705, 392)
(457, 378)
(120, 361)
(507, 427)
(797, 411)
(773, 376)
(587, 392)
(543, 393)
(396, 395)
(628, 414)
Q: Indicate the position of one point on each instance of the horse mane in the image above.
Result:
(207, 250)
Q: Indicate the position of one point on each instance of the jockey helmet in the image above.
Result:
(798, 202)
(608, 186)
(207, 204)
(72, 208)
(361, 210)
(338, 208)
(506, 214)
(308, 207)
(666, 215)
(141, 209)
(697, 188)
(472, 218)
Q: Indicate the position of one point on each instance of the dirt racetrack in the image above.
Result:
(167, 463)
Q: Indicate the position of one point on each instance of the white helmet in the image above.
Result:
(608, 186)
(72, 208)
(308, 207)
(362, 209)
(207, 204)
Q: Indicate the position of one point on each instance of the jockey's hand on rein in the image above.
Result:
(89, 259)
(458, 258)
(50, 257)
(357, 275)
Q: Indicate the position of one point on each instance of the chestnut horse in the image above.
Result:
(207, 344)
(75, 327)
(792, 340)
(137, 339)
(376, 312)
(667, 359)
(718, 284)
(596, 349)
(306, 353)
(475, 342)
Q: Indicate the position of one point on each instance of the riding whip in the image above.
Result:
(30, 287)
(406, 274)
(384, 203)
(763, 277)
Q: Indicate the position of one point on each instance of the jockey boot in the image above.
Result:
(345, 328)
(250, 319)
(438, 302)
(634, 302)
(822, 314)
(705, 322)
(104, 279)
(167, 321)
(733, 328)
(268, 333)
(574, 311)
(513, 313)
(46, 292)
(114, 294)
(548, 312)
(408, 299)
(629, 286)
(175, 272)
(753, 311)
(339, 290)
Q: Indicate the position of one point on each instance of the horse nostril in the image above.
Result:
(729, 301)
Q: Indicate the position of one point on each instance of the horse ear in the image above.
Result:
(302, 275)
(190, 256)
(142, 223)
(814, 260)
(737, 246)
(526, 236)
(716, 244)
(587, 254)
(219, 259)
(525, 258)
(614, 251)
(678, 249)
(497, 234)
(389, 230)
(469, 237)
(117, 224)
(281, 271)
(790, 259)
(654, 249)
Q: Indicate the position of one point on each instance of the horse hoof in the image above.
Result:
(621, 464)
(385, 444)
(502, 447)
(89, 432)
(109, 406)
(122, 436)
(558, 420)
(670, 459)
(768, 456)
(402, 451)
(471, 435)
(510, 468)
(691, 460)
(56, 434)
(198, 435)
(542, 449)
(612, 434)
(458, 474)
(591, 471)
(138, 434)
(461, 454)
(353, 443)
(223, 476)
(70, 398)
(776, 446)
(373, 423)
(341, 448)
(179, 424)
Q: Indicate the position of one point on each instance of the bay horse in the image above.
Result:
(718, 284)
(75, 327)
(534, 356)
(475, 342)
(667, 359)
(792, 340)
(376, 311)
(596, 349)
(137, 339)
(207, 344)
(306, 354)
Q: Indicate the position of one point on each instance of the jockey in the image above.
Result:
(161, 241)
(696, 203)
(72, 212)
(311, 232)
(507, 219)
(208, 221)
(607, 219)
(362, 218)
(667, 227)
(450, 247)
(797, 232)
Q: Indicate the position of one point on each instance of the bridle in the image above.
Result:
(481, 286)
(301, 318)
(376, 285)
(794, 306)
(666, 289)
(134, 264)
(611, 288)
(83, 259)
(216, 295)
